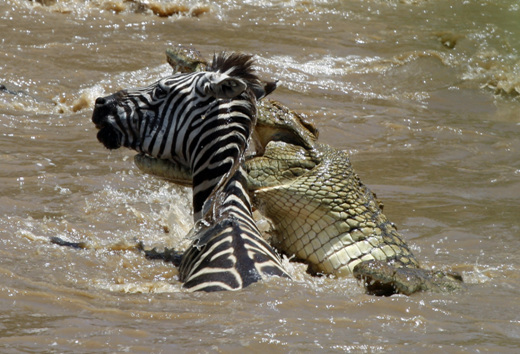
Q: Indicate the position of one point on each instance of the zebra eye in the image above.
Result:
(160, 92)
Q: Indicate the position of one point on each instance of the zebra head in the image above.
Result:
(152, 118)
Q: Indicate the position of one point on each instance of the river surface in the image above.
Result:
(423, 94)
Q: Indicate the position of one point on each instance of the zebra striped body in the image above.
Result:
(229, 254)
(202, 121)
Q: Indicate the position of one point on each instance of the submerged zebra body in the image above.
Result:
(219, 260)
(202, 121)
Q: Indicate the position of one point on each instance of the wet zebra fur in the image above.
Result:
(229, 254)
(202, 121)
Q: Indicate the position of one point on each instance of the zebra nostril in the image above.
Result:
(100, 101)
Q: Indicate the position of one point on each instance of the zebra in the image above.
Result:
(230, 253)
(202, 121)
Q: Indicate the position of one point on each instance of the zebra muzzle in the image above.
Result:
(108, 135)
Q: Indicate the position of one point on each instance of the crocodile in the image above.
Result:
(322, 213)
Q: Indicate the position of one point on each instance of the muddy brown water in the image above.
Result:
(423, 94)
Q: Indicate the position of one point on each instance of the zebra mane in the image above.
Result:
(234, 64)
(241, 66)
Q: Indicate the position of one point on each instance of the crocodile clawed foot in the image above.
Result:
(384, 279)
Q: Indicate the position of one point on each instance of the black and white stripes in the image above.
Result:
(229, 253)
(202, 121)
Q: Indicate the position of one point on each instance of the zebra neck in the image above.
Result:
(230, 201)
(216, 153)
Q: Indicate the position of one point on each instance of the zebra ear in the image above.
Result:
(263, 89)
(223, 86)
